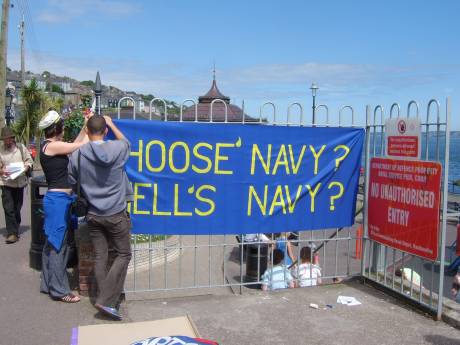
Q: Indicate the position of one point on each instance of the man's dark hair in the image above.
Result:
(305, 254)
(54, 130)
(96, 125)
(278, 257)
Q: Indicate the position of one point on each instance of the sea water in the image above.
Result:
(436, 148)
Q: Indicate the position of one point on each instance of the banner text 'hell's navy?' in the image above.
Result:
(209, 178)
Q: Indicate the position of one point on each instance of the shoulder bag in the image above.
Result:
(80, 207)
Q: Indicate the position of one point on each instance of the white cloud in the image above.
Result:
(337, 82)
(58, 11)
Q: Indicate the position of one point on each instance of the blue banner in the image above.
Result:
(214, 178)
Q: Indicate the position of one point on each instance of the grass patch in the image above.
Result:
(146, 238)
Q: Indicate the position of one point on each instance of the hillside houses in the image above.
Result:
(71, 91)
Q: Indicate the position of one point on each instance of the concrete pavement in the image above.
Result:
(28, 317)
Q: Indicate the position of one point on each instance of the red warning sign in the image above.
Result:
(403, 201)
(403, 138)
(403, 146)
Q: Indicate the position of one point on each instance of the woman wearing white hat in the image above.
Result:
(56, 205)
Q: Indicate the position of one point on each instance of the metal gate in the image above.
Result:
(424, 284)
(218, 262)
(168, 263)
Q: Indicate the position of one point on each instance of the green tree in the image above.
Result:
(59, 102)
(86, 100)
(73, 124)
(55, 103)
(89, 83)
(34, 101)
(57, 89)
(147, 98)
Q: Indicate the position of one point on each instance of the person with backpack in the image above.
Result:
(15, 163)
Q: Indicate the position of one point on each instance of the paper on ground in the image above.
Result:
(348, 300)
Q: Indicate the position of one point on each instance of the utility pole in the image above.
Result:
(23, 68)
(3, 50)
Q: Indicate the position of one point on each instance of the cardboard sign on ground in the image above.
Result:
(128, 333)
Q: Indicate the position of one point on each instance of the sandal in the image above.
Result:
(69, 298)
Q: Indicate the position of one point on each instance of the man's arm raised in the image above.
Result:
(118, 134)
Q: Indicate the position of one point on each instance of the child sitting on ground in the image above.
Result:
(306, 274)
(277, 277)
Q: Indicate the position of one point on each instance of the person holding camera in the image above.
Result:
(15, 164)
(57, 204)
(99, 168)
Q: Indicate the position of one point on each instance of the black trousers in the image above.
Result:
(12, 199)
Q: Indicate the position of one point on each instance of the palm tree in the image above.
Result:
(34, 101)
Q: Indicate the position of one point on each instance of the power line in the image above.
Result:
(32, 42)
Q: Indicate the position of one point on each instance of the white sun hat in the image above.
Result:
(50, 118)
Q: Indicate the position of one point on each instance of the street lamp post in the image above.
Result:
(97, 93)
(46, 75)
(313, 89)
(8, 104)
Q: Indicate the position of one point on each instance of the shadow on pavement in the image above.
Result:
(22, 230)
(441, 340)
(356, 283)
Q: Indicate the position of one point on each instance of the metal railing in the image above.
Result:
(193, 262)
(219, 261)
(409, 275)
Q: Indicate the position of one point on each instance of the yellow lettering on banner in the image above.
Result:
(176, 203)
(296, 166)
(313, 195)
(198, 155)
(317, 155)
(210, 202)
(155, 203)
(265, 164)
(128, 204)
(291, 205)
(262, 206)
(220, 157)
(138, 154)
(281, 160)
(278, 200)
(163, 156)
(173, 168)
(138, 196)
(340, 159)
(337, 196)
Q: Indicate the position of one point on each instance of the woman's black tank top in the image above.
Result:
(55, 169)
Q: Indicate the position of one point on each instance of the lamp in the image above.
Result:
(97, 93)
(313, 89)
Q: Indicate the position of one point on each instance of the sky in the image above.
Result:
(358, 52)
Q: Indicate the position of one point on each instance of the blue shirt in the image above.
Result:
(277, 277)
(282, 245)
